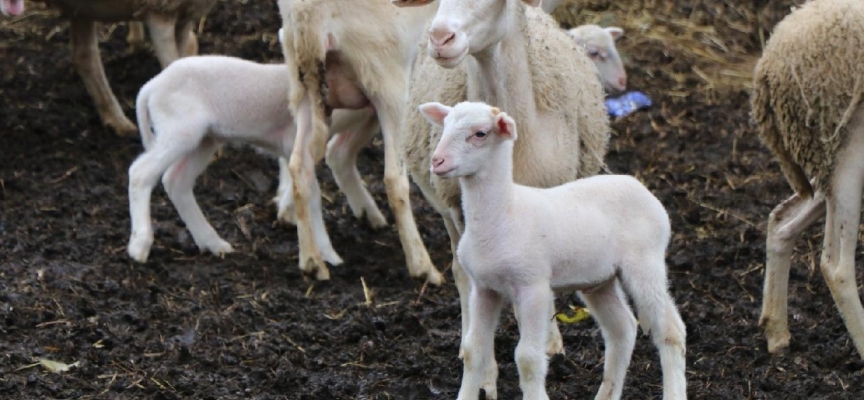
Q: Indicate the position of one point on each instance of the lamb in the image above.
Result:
(170, 24)
(323, 41)
(196, 104)
(599, 43)
(11, 7)
(547, 82)
(602, 236)
(810, 115)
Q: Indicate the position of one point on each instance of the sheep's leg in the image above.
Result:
(657, 311)
(841, 233)
(785, 224)
(284, 194)
(307, 196)
(187, 42)
(396, 181)
(479, 344)
(609, 308)
(179, 181)
(88, 63)
(463, 285)
(341, 157)
(144, 173)
(531, 359)
(135, 37)
(163, 33)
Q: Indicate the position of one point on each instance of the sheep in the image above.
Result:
(599, 43)
(198, 103)
(602, 236)
(548, 82)
(11, 7)
(326, 40)
(807, 103)
(170, 24)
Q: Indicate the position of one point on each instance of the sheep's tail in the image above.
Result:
(769, 132)
(142, 111)
(304, 45)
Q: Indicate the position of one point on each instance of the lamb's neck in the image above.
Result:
(488, 193)
(501, 76)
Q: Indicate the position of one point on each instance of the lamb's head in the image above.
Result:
(463, 27)
(472, 131)
(11, 7)
(599, 43)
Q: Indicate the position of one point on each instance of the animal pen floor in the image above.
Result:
(186, 325)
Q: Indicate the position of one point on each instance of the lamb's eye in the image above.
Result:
(480, 134)
(593, 53)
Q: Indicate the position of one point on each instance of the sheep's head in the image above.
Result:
(463, 27)
(11, 7)
(599, 44)
(471, 132)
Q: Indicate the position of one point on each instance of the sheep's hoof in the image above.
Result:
(139, 248)
(286, 215)
(122, 127)
(219, 248)
(555, 343)
(376, 219)
(420, 266)
(314, 266)
(778, 338)
(331, 257)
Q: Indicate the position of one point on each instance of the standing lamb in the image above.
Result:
(599, 43)
(195, 105)
(170, 24)
(597, 235)
(334, 41)
(518, 58)
(807, 101)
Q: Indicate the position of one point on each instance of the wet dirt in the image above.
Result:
(190, 325)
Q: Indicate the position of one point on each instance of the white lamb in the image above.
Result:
(599, 44)
(597, 235)
(198, 103)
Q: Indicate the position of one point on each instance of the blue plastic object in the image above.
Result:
(627, 104)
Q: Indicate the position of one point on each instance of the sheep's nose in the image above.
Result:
(437, 161)
(622, 82)
(441, 36)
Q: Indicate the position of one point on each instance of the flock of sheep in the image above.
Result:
(451, 87)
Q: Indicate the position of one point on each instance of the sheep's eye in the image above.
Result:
(480, 134)
(593, 53)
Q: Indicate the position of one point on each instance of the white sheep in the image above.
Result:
(333, 41)
(170, 24)
(196, 104)
(520, 59)
(597, 235)
(807, 102)
(599, 43)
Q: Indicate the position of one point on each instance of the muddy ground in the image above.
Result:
(186, 325)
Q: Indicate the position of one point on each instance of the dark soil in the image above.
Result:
(186, 325)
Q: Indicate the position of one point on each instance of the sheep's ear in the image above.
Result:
(532, 3)
(506, 126)
(410, 3)
(615, 32)
(435, 112)
(574, 34)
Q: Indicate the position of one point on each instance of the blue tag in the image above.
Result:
(627, 104)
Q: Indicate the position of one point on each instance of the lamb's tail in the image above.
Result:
(769, 131)
(305, 51)
(142, 111)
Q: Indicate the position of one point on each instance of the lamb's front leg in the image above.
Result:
(479, 344)
(534, 318)
(609, 308)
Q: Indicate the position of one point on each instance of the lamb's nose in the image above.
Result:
(622, 82)
(441, 36)
(437, 161)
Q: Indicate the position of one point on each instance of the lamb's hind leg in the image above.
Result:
(341, 157)
(841, 233)
(658, 313)
(609, 308)
(179, 181)
(785, 224)
(88, 63)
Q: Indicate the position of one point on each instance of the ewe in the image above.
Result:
(808, 105)
(196, 104)
(597, 235)
(599, 43)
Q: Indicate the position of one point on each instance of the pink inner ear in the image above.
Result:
(503, 128)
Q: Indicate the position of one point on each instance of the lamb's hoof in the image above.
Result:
(218, 247)
(122, 127)
(139, 247)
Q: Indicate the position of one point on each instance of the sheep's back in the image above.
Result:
(808, 84)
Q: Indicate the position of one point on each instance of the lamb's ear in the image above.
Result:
(532, 3)
(410, 3)
(435, 112)
(506, 126)
(615, 32)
